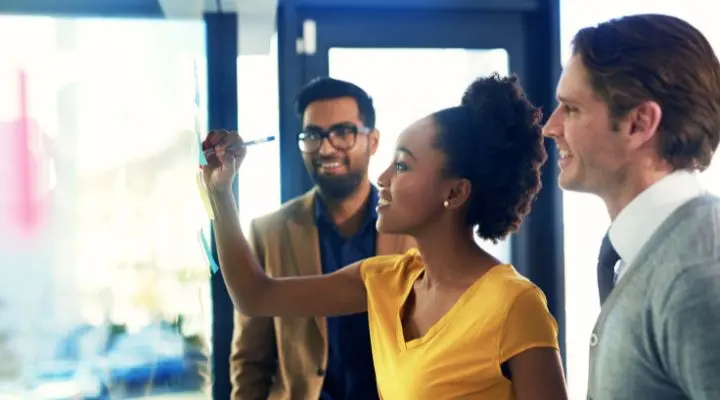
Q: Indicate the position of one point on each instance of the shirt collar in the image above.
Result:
(321, 214)
(636, 223)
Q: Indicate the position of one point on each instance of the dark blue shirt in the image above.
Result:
(350, 374)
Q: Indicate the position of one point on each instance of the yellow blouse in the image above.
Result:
(501, 315)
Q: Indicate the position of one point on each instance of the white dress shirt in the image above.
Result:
(637, 222)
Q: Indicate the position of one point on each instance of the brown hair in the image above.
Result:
(664, 59)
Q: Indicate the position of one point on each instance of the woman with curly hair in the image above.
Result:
(447, 320)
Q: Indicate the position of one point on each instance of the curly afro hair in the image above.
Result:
(494, 140)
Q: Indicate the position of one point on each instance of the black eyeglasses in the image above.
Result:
(340, 136)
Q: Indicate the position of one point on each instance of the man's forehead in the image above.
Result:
(574, 85)
(331, 111)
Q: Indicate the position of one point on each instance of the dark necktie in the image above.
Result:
(606, 268)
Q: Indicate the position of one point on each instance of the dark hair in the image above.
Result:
(664, 59)
(494, 140)
(325, 88)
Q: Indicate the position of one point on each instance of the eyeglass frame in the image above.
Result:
(325, 134)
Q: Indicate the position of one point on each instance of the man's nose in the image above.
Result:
(326, 148)
(553, 127)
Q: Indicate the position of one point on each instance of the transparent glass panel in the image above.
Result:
(104, 290)
(258, 117)
(423, 81)
(585, 216)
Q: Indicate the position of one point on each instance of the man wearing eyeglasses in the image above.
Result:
(330, 226)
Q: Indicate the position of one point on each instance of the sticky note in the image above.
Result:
(24, 203)
(208, 253)
(204, 195)
(201, 154)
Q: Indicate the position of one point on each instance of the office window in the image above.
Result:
(585, 217)
(104, 289)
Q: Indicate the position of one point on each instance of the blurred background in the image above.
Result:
(105, 289)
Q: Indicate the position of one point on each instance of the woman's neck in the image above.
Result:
(451, 257)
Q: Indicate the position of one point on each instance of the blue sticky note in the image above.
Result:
(201, 153)
(208, 253)
(197, 83)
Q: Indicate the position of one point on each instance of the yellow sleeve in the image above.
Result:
(529, 324)
(372, 266)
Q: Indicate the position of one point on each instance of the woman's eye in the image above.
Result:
(400, 166)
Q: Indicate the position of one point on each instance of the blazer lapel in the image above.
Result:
(305, 244)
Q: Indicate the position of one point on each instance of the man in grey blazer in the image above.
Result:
(638, 117)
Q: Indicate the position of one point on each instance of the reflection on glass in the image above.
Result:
(258, 117)
(105, 293)
(408, 84)
(585, 217)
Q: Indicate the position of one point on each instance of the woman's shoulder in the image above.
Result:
(397, 265)
(509, 284)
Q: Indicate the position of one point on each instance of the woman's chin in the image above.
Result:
(383, 225)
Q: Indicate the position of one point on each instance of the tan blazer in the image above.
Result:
(285, 358)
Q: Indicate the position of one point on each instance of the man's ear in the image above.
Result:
(374, 141)
(644, 122)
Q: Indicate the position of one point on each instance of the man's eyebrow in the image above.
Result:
(564, 99)
(335, 125)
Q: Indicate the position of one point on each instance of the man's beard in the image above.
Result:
(337, 187)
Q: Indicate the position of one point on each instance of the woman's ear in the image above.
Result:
(458, 194)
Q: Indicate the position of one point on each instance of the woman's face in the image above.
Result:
(412, 188)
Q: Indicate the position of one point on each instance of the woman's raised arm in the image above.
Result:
(251, 290)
